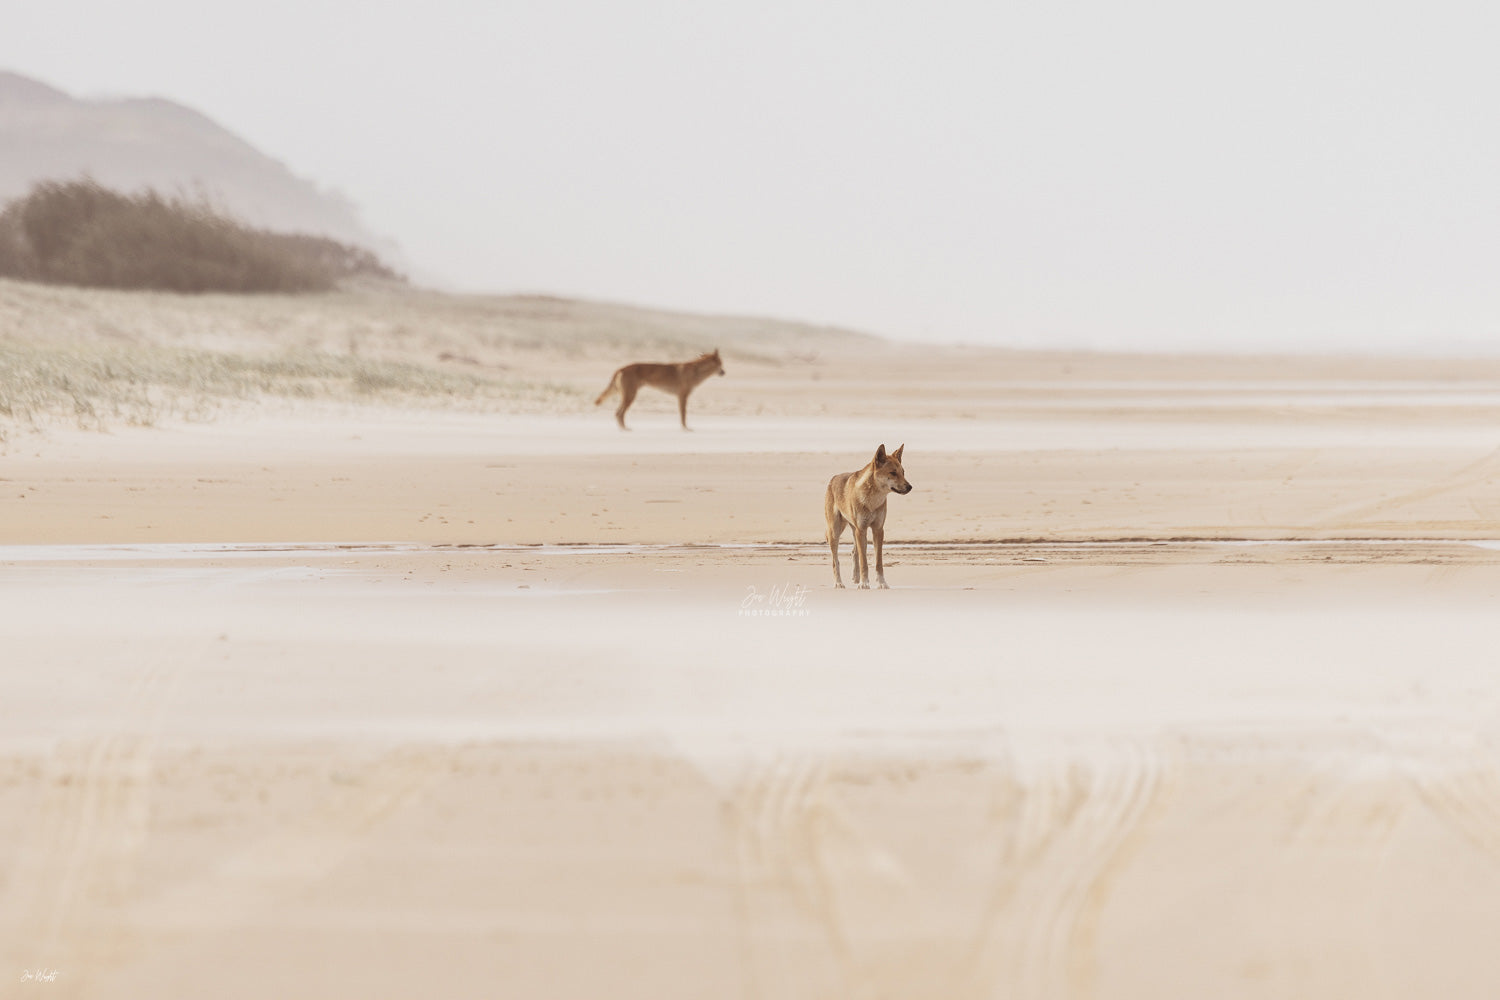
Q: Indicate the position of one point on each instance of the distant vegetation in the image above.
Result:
(79, 233)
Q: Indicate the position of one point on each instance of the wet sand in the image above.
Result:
(1171, 697)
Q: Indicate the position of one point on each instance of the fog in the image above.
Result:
(1154, 176)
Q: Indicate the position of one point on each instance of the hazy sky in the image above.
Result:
(1218, 176)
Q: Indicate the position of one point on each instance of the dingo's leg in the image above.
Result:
(682, 409)
(862, 559)
(627, 396)
(878, 530)
(835, 532)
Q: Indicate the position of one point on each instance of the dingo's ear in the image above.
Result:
(880, 454)
(897, 453)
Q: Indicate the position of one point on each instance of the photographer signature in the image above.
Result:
(788, 600)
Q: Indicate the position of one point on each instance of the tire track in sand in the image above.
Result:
(1066, 822)
(1461, 786)
(74, 876)
(1362, 512)
(795, 846)
(1070, 817)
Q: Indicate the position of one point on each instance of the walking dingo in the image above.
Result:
(858, 499)
(679, 379)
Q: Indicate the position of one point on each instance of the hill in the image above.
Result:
(136, 143)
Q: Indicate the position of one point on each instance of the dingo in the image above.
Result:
(679, 379)
(858, 498)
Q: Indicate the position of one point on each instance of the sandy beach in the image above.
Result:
(1184, 687)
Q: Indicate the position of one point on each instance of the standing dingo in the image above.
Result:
(679, 379)
(858, 498)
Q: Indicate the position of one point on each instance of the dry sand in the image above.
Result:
(1186, 688)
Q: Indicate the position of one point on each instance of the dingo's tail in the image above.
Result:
(609, 390)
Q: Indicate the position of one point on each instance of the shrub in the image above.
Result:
(79, 233)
